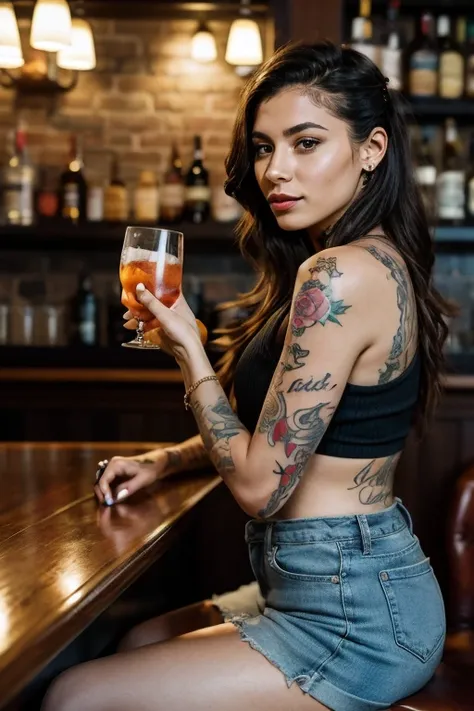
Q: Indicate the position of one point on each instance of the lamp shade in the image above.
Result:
(11, 55)
(81, 53)
(244, 46)
(51, 25)
(203, 46)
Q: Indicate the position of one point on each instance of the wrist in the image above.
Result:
(194, 364)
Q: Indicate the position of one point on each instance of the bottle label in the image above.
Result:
(451, 75)
(470, 197)
(172, 195)
(392, 67)
(423, 73)
(116, 203)
(95, 204)
(146, 203)
(198, 193)
(87, 332)
(370, 50)
(470, 76)
(451, 196)
(71, 195)
(425, 174)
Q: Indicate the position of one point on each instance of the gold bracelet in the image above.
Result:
(193, 387)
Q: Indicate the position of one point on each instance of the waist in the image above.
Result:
(331, 528)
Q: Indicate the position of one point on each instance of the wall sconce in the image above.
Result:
(244, 45)
(51, 25)
(11, 55)
(203, 45)
(67, 44)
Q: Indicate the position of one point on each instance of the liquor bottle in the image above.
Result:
(425, 175)
(361, 33)
(198, 193)
(422, 61)
(172, 193)
(84, 314)
(391, 66)
(116, 204)
(451, 62)
(451, 181)
(46, 198)
(146, 198)
(73, 186)
(470, 182)
(18, 182)
(470, 60)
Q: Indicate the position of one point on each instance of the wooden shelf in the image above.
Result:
(436, 109)
(98, 236)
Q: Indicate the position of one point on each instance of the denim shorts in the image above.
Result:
(353, 612)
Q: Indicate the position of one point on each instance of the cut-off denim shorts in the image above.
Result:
(353, 612)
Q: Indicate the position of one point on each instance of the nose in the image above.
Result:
(279, 169)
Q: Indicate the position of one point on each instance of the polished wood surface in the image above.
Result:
(64, 558)
(90, 375)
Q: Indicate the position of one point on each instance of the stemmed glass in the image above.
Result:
(154, 257)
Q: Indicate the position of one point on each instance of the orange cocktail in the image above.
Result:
(163, 279)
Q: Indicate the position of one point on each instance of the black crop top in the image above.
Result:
(369, 422)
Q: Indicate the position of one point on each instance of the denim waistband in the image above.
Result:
(331, 528)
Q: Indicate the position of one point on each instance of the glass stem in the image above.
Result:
(140, 337)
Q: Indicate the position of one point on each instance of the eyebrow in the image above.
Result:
(291, 131)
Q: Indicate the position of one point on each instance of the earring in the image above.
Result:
(370, 167)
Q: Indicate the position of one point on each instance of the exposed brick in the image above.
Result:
(125, 102)
(140, 83)
(208, 123)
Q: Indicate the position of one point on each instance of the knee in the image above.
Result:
(63, 694)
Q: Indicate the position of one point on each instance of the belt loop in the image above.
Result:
(365, 534)
(267, 544)
(405, 514)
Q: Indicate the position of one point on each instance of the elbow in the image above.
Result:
(254, 504)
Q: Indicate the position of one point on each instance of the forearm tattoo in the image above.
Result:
(375, 486)
(393, 364)
(218, 424)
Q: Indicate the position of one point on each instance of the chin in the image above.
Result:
(292, 222)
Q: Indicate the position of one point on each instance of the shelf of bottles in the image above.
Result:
(44, 210)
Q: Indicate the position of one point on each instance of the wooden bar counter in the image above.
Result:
(63, 558)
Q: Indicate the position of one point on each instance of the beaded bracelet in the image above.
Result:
(193, 387)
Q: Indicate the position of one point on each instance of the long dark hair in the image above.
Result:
(352, 88)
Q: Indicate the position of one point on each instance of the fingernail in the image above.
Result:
(122, 494)
(140, 287)
(109, 500)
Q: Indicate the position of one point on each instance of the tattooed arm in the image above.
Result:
(328, 329)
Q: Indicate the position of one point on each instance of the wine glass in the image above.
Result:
(154, 257)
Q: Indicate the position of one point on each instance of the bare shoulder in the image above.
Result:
(352, 272)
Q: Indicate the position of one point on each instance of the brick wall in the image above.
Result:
(144, 92)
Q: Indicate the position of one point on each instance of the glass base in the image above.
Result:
(141, 345)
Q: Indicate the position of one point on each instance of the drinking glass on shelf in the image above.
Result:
(154, 257)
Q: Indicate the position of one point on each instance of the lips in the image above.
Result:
(282, 202)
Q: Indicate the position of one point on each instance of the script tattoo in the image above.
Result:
(300, 434)
(376, 486)
(218, 424)
(314, 302)
(398, 273)
(311, 385)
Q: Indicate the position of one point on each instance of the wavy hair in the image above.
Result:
(351, 87)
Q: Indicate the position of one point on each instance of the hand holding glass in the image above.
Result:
(154, 257)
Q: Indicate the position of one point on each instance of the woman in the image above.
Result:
(343, 347)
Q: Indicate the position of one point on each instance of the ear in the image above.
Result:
(373, 149)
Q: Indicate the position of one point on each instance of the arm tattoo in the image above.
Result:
(300, 434)
(376, 486)
(314, 302)
(311, 385)
(175, 458)
(401, 338)
(218, 423)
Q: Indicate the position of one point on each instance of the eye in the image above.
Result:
(307, 144)
(261, 149)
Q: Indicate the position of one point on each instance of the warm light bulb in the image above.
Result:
(11, 55)
(203, 46)
(51, 25)
(244, 46)
(81, 54)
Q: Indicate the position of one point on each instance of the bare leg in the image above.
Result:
(207, 670)
(172, 624)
